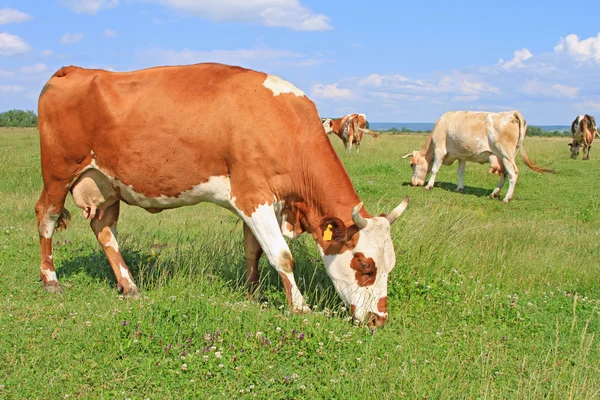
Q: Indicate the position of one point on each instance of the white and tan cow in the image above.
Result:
(168, 137)
(583, 130)
(475, 137)
(350, 128)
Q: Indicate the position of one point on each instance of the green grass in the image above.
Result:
(486, 301)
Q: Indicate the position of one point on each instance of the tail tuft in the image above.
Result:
(63, 220)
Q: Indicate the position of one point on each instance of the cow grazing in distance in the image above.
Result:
(583, 130)
(169, 137)
(475, 137)
(350, 128)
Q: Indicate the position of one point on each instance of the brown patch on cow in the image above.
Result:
(352, 309)
(382, 304)
(286, 261)
(376, 320)
(366, 272)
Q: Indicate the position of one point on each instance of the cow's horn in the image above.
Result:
(411, 154)
(396, 212)
(358, 219)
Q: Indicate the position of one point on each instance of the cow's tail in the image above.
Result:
(370, 132)
(521, 145)
(63, 220)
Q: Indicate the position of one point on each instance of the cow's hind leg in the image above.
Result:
(104, 225)
(253, 254)
(263, 224)
(513, 174)
(50, 215)
(462, 164)
(497, 189)
(586, 152)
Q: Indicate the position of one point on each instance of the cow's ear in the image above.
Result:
(570, 144)
(333, 230)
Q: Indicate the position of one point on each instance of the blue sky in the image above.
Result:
(393, 60)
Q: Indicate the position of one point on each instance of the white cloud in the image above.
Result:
(517, 61)
(34, 69)
(88, 6)
(274, 13)
(556, 90)
(109, 33)
(583, 50)
(6, 74)
(234, 57)
(11, 45)
(593, 106)
(11, 88)
(71, 38)
(46, 53)
(9, 16)
(330, 92)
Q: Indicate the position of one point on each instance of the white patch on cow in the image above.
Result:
(49, 274)
(279, 86)
(278, 207)
(50, 256)
(48, 223)
(92, 153)
(125, 273)
(216, 190)
(112, 242)
(374, 242)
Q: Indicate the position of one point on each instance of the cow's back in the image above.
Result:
(474, 136)
(165, 130)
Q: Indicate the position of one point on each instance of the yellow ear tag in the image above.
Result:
(327, 235)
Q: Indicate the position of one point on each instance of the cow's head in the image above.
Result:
(420, 167)
(328, 125)
(360, 272)
(575, 146)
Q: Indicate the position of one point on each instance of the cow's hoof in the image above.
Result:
(128, 290)
(506, 201)
(428, 187)
(459, 190)
(53, 287)
(305, 309)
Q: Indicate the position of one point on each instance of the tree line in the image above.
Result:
(532, 130)
(18, 119)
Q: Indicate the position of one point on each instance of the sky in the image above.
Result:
(395, 61)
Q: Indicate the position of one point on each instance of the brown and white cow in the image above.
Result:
(583, 130)
(475, 137)
(350, 128)
(168, 137)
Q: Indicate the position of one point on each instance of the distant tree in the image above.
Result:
(18, 119)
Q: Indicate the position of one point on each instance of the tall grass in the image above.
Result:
(486, 301)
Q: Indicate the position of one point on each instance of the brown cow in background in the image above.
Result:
(350, 129)
(583, 130)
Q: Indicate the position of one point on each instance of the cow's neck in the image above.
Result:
(427, 150)
(336, 125)
(324, 192)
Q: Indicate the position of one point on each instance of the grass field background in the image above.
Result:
(486, 301)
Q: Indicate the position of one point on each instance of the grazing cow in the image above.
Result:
(476, 137)
(350, 129)
(583, 130)
(168, 137)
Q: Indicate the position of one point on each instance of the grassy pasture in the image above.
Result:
(486, 301)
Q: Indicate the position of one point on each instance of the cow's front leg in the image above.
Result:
(437, 164)
(349, 145)
(462, 164)
(496, 191)
(586, 152)
(104, 225)
(265, 228)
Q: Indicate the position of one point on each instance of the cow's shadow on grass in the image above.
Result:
(451, 187)
(156, 266)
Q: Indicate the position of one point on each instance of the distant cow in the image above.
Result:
(475, 137)
(350, 129)
(583, 130)
(252, 143)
